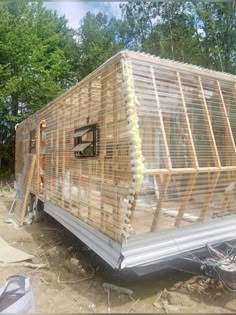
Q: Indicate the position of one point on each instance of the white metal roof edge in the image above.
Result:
(158, 247)
(176, 64)
(101, 244)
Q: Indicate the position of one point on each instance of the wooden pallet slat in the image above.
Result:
(164, 187)
(24, 189)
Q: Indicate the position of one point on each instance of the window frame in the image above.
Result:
(78, 140)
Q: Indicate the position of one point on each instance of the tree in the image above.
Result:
(216, 23)
(99, 38)
(37, 62)
(141, 19)
(196, 32)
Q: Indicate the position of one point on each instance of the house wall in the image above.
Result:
(92, 189)
(187, 123)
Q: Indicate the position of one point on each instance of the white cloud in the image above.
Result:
(75, 11)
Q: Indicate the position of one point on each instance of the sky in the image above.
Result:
(75, 11)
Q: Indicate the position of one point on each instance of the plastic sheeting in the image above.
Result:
(16, 296)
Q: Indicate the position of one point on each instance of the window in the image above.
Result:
(32, 144)
(86, 140)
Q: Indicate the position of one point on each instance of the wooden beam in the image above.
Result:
(229, 191)
(115, 167)
(63, 168)
(226, 118)
(169, 164)
(37, 162)
(189, 170)
(190, 136)
(157, 213)
(28, 185)
(209, 127)
(25, 184)
(57, 156)
(185, 200)
(205, 208)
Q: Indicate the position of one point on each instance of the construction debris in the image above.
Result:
(113, 287)
(9, 254)
(24, 264)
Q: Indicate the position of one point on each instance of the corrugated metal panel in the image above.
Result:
(98, 242)
(150, 249)
(156, 248)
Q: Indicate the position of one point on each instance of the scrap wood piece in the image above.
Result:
(48, 249)
(109, 286)
(24, 264)
(9, 254)
(157, 212)
(108, 300)
(157, 299)
(165, 306)
(133, 305)
(24, 187)
(59, 281)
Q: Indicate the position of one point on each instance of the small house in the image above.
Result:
(138, 160)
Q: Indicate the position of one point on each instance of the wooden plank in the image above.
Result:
(38, 155)
(226, 118)
(189, 170)
(24, 189)
(51, 167)
(63, 169)
(157, 213)
(205, 208)
(209, 127)
(132, 209)
(226, 203)
(156, 183)
(228, 193)
(185, 200)
(72, 108)
(115, 170)
(57, 157)
(190, 136)
(89, 189)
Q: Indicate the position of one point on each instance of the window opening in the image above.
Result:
(86, 140)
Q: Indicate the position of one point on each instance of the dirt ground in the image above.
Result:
(75, 285)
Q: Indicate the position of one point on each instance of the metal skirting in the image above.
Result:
(106, 248)
(152, 251)
(162, 248)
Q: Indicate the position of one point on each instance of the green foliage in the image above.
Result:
(201, 33)
(38, 56)
(99, 38)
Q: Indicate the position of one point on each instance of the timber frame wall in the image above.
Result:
(166, 154)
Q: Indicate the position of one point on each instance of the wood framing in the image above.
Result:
(139, 146)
